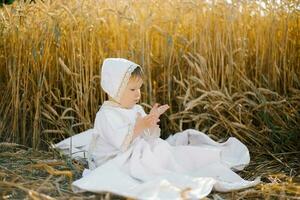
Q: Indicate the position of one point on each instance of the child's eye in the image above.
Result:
(132, 90)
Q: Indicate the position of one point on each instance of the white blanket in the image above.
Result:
(187, 165)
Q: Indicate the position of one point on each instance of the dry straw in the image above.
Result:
(25, 173)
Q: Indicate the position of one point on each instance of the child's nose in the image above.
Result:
(138, 94)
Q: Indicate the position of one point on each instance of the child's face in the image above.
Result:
(132, 92)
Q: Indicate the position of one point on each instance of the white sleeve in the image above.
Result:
(141, 110)
(114, 130)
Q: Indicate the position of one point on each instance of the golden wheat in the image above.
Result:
(227, 69)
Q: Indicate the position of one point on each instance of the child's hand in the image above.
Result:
(159, 110)
(143, 123)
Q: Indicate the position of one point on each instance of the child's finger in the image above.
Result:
(156, 105)
(163, 109)
(154, 108)
(152, 120)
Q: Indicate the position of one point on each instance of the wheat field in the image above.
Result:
(227, 69)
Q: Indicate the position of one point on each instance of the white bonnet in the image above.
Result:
(115, 75)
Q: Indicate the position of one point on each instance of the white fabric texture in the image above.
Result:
(115, 74)
(188, 164)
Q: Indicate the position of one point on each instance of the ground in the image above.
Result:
(30, 174)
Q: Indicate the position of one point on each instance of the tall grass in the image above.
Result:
(226, 69)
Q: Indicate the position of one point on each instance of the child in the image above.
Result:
(127, 157)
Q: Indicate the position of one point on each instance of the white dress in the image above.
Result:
(186, 165)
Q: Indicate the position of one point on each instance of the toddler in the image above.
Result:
(126, 155)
